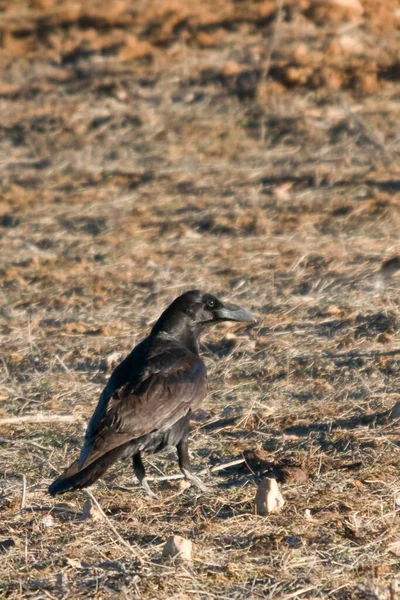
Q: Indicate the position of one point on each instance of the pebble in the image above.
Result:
(268, 497)
(48, 521)
(177, 547)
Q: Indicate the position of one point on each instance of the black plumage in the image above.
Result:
(148, 400)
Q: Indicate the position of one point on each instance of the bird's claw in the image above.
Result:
(196, 481)
(148, 490)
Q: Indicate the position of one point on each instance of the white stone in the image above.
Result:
(177, 547)
(337, 10)
(112, 360)
(268, 497)
(184, 484)
(351, 44)
(48, 521)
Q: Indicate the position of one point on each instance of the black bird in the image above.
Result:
(149, 398)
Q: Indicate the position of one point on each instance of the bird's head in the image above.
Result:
(194, 311)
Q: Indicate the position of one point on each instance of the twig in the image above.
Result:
(64, 366)
(239, 461)
(298, 592)
(40, 418)
(23, 494)
(113, 529)
(274, 39)
(36, 445)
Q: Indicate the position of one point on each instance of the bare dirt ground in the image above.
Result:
(251, 149)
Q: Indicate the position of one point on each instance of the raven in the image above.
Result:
(149, 398)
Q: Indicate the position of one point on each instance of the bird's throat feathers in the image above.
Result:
(186, 334)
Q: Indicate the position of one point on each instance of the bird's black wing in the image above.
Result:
(172, 382)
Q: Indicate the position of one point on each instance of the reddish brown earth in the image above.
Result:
(251, 149)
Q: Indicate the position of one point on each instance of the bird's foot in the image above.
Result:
(145, 485)
(196, 481)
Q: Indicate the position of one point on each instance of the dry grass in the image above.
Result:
(126, 183)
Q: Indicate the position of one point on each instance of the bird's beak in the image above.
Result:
(231, 312)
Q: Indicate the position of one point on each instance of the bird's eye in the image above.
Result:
(210, 303)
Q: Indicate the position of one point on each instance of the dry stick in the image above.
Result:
(113, 529)
(23, 495)
(239, 461)
(274, 39)
(40, 418)
(298, 592)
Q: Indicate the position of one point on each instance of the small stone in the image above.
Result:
(336, 11)
(111, 361)
(184, 484)
(90, 511)
(121, 95)
(268, 497)
(177, 547)
(332, 311)
(365, 83)
(307, 513)
(74, 563)
(48, 521)
(135, 49)
(301, 54)
(384, 338)
(230, 69)
(282, 192)
(351, 45)
(395, 412)
(190, 234)
(206, 40)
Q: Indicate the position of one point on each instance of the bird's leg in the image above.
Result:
(184, 465)
(140, 473)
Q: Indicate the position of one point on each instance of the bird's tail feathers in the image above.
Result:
(74, 478)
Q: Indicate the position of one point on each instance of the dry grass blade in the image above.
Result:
(133, 551)
(23, 493)
(273, 41)
(214, 469)
(40, 418)
(298, 592)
